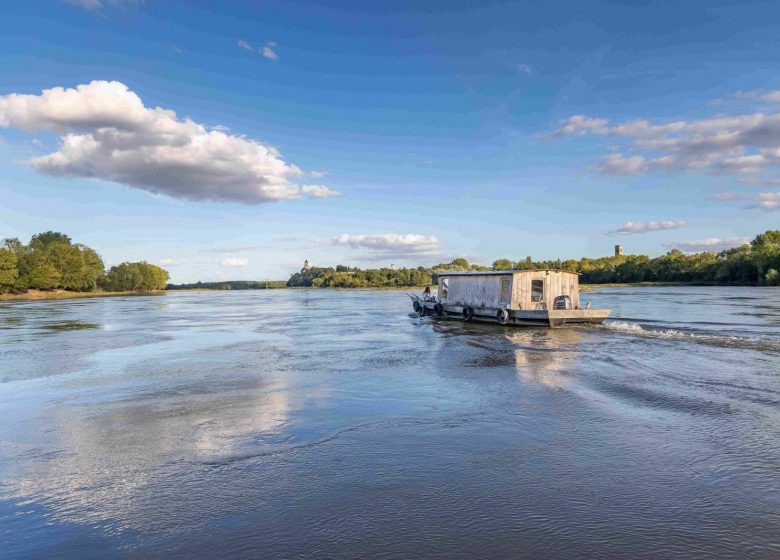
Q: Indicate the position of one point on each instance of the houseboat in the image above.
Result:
(549, 298)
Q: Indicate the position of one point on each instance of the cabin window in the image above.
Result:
(445, 287)
(506, 289)
(537, 290)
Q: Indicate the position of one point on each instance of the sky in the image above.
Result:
(233, 140)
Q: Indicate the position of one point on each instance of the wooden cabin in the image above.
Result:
(511, 289)
(522, 297)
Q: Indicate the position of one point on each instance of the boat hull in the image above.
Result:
(516, 317)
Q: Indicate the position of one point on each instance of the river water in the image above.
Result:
(337, 424)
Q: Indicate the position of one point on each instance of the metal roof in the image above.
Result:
(501, 272)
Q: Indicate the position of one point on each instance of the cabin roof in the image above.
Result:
(503, 272)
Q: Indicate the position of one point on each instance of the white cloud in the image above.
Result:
(319, 191)
(770, 96)
(107, 133)
(617, 164)
(233, 262)
(167, 262)
(269, 52)
(579, 124)
(391, 245)
(764, 200)
(318, 174)
(768, 200)
(266, 51)
(644, 227)
(745, 144)
(244, 45)
(773, 96)
(524, 68)
(711, 244)
(760, 181)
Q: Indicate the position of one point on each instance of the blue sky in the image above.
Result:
(377, 133)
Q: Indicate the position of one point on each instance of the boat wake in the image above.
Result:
(697, 337)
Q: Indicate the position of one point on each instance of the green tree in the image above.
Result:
(45, 239)
(502, 264)
(460, 263)
(41, 275)
(93, 268)
(135, 276)
(9, 274)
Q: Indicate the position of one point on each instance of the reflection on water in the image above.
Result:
(299, 423)
(545, 355)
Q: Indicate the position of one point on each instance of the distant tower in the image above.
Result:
(306, 266)
(618, 250)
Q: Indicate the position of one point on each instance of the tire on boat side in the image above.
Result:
(468, 313)
(438, 309)
(416, 306)
(502, 316)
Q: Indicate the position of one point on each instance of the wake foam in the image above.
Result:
(700, 337)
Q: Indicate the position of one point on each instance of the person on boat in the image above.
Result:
(426, 295)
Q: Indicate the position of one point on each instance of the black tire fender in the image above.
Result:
(468, 313)
(438, 309)
(416, 306)
(502, 316)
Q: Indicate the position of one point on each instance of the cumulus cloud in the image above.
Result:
(617, 164)
(645, 227)
(167, 262)
(319, 191)
(746, 145)
(392, 245)
(768, 200)
(233, 262)
(106, 132)
(710, 244)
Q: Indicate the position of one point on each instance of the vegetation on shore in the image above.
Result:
(51, 261)
(756, 263)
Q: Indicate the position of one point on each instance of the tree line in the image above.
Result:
(52, 261)
(756, 263)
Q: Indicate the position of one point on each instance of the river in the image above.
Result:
(338, 424)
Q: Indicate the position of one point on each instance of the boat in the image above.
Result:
(548, 298)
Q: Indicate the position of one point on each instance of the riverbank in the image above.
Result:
(34, 295)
